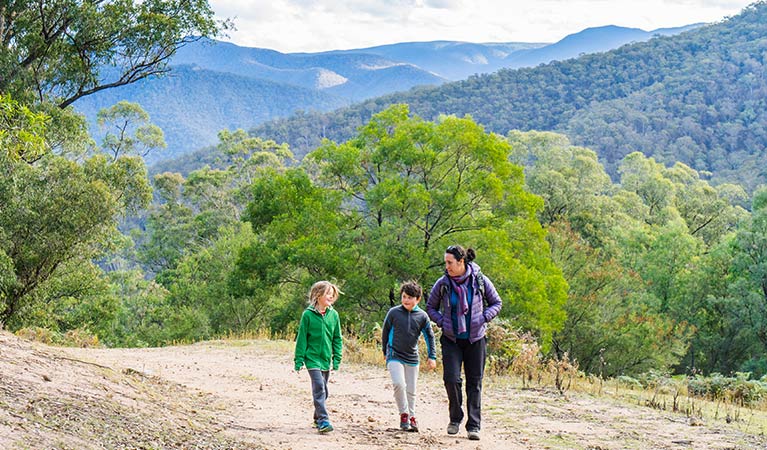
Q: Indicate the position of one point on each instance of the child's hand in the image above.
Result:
(432, 364)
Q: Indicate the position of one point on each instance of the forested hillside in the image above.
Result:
(697, 98)
(192, 105)
(214, 85)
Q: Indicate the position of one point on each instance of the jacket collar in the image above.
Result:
(313, 309)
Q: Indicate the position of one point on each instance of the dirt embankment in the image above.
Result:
(244, 395)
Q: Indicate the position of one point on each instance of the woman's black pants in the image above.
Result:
(472, 357)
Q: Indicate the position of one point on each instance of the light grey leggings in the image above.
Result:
(405, 380)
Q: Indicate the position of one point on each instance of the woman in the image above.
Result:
(462, 302)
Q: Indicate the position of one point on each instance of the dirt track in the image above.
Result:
(260, 400)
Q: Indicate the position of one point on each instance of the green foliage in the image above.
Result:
(570, 179)
(201, 282)
(748, 286)
(53, 213)
(383, 208)
(146, 317)
(646, 260)
(191, 211)
(738, 389)
(22, 131)
(610, 327)
(68, 49)
(297, 226)
(130, 131)
(56, 217)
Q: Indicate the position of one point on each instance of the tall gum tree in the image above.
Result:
(405, 189)
(59, 51)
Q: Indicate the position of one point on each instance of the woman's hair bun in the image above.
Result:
(470, 255)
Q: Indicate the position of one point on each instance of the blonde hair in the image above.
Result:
(319, 289)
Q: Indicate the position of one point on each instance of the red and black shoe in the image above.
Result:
(404, 424)
(413, 424)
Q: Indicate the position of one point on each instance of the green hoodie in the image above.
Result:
(319, 339)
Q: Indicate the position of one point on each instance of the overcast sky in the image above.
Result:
(317, 25)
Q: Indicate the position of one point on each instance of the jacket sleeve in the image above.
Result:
(494, 302)
(433, 304)
(301, 341)
(338, 344)
(428, 336)
(385, 333)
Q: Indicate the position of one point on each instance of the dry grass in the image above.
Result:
(529, 371)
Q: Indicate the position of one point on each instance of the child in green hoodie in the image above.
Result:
(318, 345)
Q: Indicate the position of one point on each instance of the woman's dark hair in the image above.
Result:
(411, 288)
(460, 253)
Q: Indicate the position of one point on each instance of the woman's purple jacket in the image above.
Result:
(439, 310)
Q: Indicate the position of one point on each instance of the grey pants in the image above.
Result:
(319, 392)
(405, 380)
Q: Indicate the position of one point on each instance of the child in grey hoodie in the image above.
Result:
(399, 338)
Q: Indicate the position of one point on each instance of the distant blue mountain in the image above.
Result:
(590, 40)
(459, 60)
(352, 75)
(449, 59)
(216, 85)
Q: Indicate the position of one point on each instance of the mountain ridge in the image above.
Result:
(696, 97)
(316, 82)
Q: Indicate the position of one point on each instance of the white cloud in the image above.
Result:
(316, 25)
(444, 4)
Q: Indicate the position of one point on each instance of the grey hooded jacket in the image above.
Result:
(399, 336)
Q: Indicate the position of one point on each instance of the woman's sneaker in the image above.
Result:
(452, 428)
(404, 423)
(324, 426)
(413, 424)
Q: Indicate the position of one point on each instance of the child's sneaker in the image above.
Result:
(413, 424)
(324, 426)
(404, 424)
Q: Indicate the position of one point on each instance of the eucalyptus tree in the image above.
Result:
(58, 51)
(56, 216)
(128, 130)
(570, 179)
(613, 320)
(190, 211)
(382, 207)
(750, 267)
